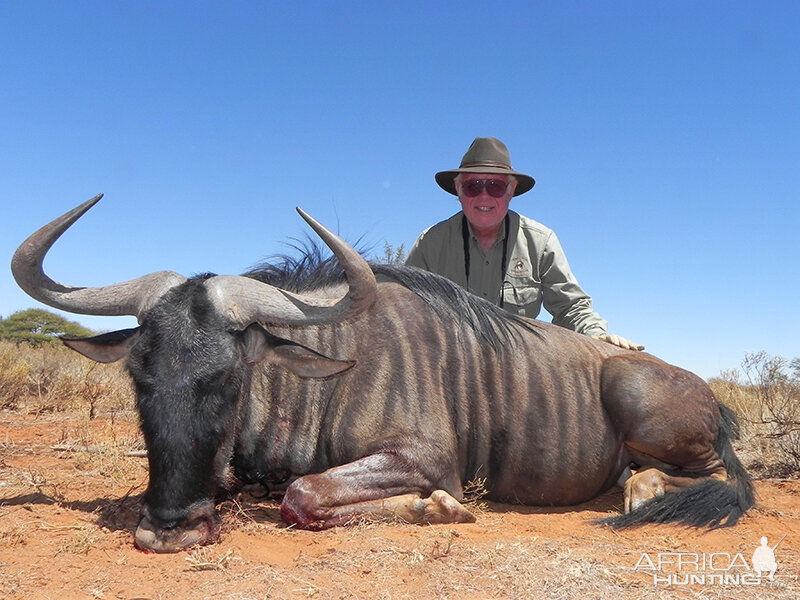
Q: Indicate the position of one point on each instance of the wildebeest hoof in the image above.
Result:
(642, 487)
(200, 528)
(443, 508)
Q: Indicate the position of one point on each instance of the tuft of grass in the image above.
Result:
(474, 492)
(203, 558)
(13, 536)
(80, 542)
(51, 490)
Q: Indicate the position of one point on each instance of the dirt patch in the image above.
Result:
(67, 520)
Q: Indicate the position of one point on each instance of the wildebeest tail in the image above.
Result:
(710, 503)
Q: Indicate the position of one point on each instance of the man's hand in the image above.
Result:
(618, 341)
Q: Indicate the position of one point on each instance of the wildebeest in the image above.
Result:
(379, 393)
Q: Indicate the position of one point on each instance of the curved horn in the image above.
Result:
(360, 278)
(132, 297)
(246, 300)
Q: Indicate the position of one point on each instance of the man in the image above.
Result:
(764, 558)
(506, 258)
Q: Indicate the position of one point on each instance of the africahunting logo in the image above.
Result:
(713, 569)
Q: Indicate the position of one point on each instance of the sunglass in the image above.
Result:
(496, 188)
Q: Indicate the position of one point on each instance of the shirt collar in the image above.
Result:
(498, 241)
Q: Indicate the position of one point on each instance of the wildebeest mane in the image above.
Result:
(311, 268)
(450, 301)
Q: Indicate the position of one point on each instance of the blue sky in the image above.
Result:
(664, 138)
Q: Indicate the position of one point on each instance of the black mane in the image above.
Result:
(312, 269)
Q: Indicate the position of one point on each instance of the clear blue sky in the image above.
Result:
(664, 138)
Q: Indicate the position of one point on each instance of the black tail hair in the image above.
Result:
(711, 503)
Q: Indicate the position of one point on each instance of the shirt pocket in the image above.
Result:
(522, 296)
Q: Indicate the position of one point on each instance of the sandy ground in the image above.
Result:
(67, 518)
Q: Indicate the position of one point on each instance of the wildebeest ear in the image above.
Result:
(106, 347)
(261, 345)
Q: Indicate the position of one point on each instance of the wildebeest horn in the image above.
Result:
(241, 299)
(361, 279)
(132, 297)
(246, 300)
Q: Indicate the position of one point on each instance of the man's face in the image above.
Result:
(477, 193)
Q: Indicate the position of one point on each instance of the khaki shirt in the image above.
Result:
(537, 272)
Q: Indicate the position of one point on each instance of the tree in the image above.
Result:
(392, 255)
(38, 326)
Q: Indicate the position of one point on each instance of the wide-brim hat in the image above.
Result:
(485, 155)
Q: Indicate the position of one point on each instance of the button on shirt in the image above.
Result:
(537, 273)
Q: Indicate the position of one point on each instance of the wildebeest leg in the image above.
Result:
(376, 487)
(668, 420)
(439, 507)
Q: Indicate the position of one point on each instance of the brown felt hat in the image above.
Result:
(485, 155)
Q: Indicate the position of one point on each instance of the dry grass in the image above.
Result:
(52, 378)
(80, 540)
(765, 396)
(205, 558)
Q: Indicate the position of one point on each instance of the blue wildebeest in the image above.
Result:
(381, 391)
